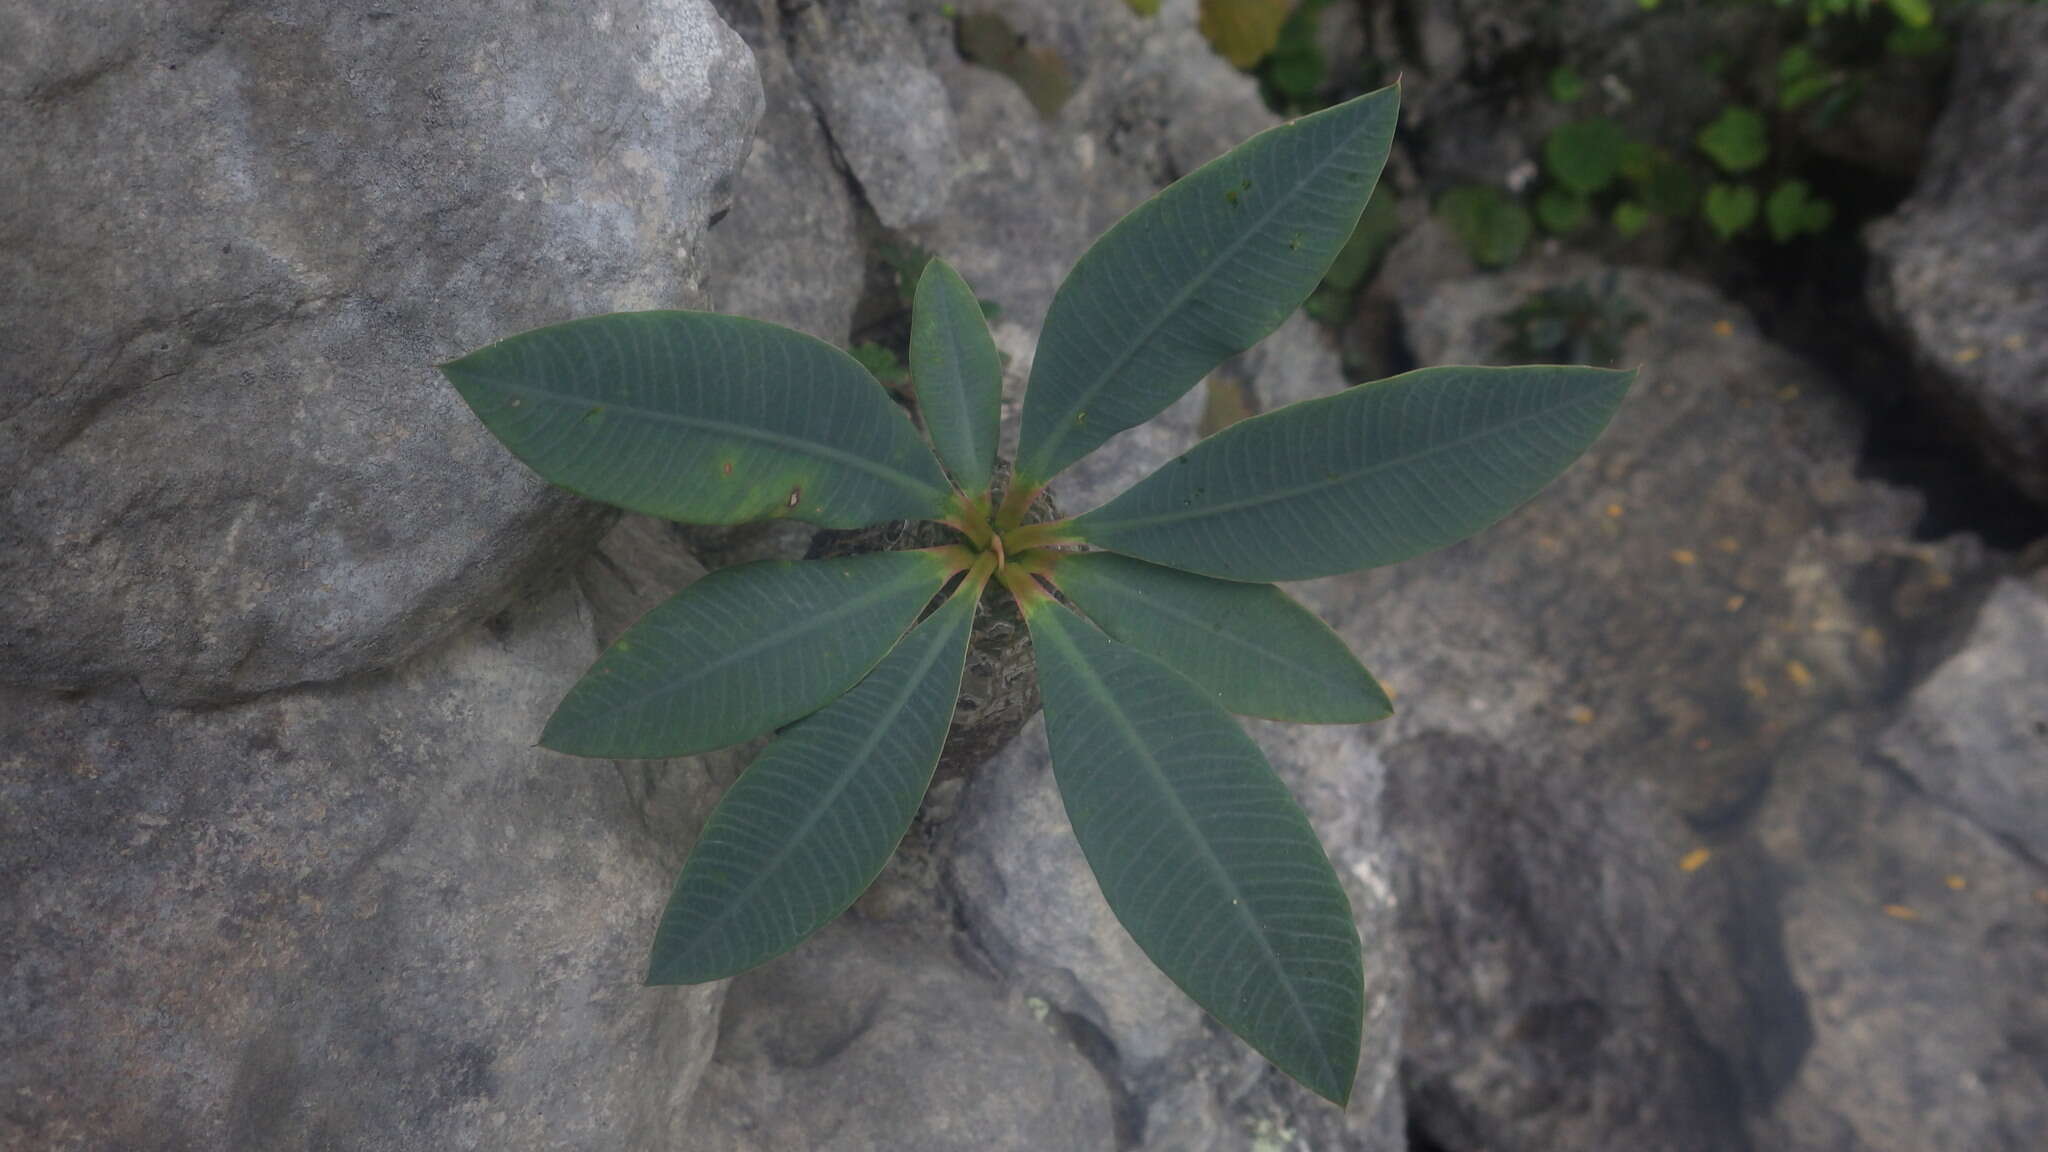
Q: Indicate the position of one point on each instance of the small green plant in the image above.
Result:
(1153, 617)
(1736, 140)
(1575, 321)
(1492, 225)
(1730, 209)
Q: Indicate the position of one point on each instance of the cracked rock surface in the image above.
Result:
(1710, 816)
(235, 240)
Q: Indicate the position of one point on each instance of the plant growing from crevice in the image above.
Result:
(1153, 616)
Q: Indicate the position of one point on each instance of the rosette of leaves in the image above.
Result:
(1154, 617)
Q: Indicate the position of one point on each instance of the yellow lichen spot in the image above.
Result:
(1728, 544)
(1798, 674)
(1956, 883)
(1684, 557)
(1724, 328)
(1789, 393)
(1969, 355)
(1871, 641)
(1734, 603)
(1614, 511)
(1694, 860)
(1755, 686)
(1900, 912)
(2014, 342)
(1581, 714)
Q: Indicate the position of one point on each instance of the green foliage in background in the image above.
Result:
(1492, 225)
(1792, 210)
(1585, 155)
(1574, 322)
(1154, 617)
(1730, 208)
(1737, 140)
(1244, 31)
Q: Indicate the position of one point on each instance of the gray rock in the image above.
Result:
(865, 1039)
(1974, 735)
(1958, 271)
(235, 240)
(886, 111)
(1033, 905)
(370, 915)
(1634, 900)
(1918, 937)
(789, 251)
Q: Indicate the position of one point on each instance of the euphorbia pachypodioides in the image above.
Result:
(1153, 617)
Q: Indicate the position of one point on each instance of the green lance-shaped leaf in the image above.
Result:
(1251, 648)
(703, 418)
(742, 651)
(1369, 476)
(810, 823)
(1197, 274)
(957, 374)
(1200, 850)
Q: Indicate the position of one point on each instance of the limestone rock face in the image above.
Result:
(1974, 734)
(234, 241)
(1957, 272)
(869, 1039)
(789, 251)
(1660, 882)
(369, 915)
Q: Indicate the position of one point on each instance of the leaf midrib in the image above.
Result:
(839, 787)
(956, 371)
(1361, 473)
(1237, 901)
(810, 623)
(899, 478)
(1062, 425)
(1264, 653)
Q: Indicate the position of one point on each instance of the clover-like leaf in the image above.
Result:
(1251, 648)
(703, 418)
(1793, 210)
(1243, 31)
(1369, 476)
(1492, 225)
(741, 651)
(1201, 852)
(809, 825)
(1197, 274)
(957, 374)
(1730, 208)
(1585, 155)
(1736, 140)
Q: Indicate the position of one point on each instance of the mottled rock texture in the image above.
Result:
(1709, 817)
(1959, 270)
(369, 915)
(234, 240)
(873, 1039)
(281, 865)
(1659, 886)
